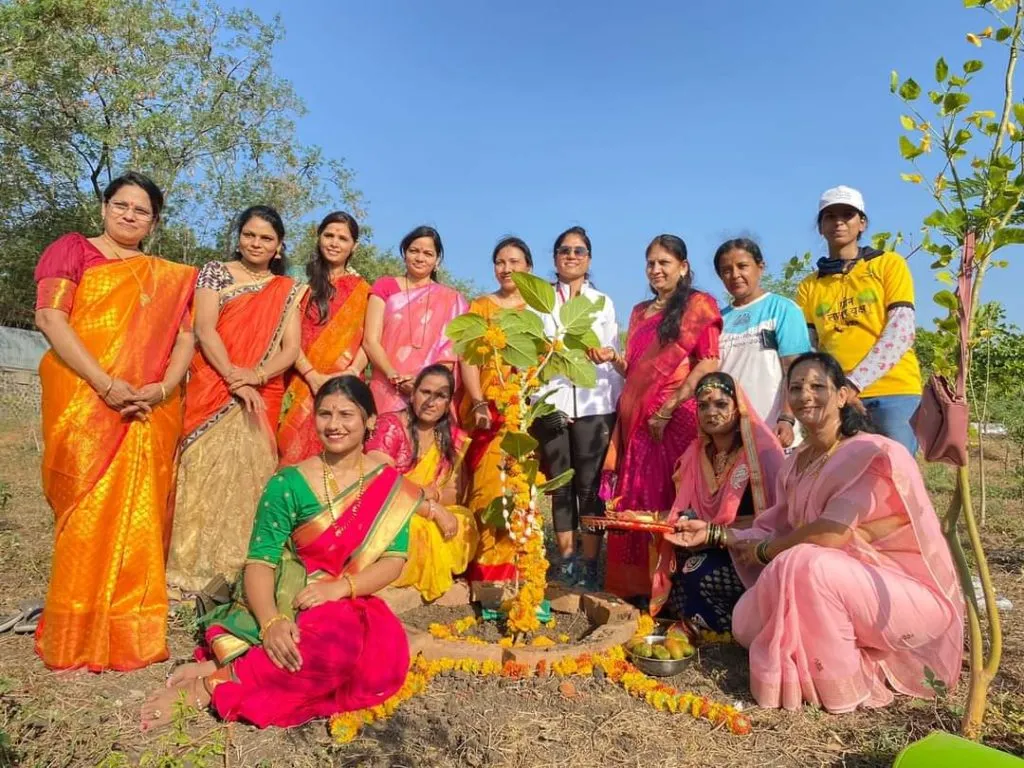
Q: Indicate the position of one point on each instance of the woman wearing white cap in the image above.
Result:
(859, 307)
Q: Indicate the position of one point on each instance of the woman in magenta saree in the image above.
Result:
(405, 321)
(851, 590)
(672, 342)
(305, 636)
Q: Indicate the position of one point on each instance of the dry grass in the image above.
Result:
(65, 719)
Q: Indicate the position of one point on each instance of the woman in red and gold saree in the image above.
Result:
(851, 590)
(120, 334)
(405, 321)
(248, 334)
(332, 334)
(672, 342)
(727, 478)
(423, 444)
(305, 637)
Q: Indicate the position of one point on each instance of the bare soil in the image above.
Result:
(574, 627)
(77, 718)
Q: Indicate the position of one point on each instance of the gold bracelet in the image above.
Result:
(261, 376)
(163, 392)
(110, 386)
(270, 623)
(351, 585)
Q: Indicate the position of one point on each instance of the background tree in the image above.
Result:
(976, 179)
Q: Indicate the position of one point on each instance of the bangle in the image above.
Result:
(106, 391)
(261, 377)
(351, 585)
(661, 416)
(271, 622)
(477, 405)
(785, 417)
(761, 553)
(306, 372)
(163, 392)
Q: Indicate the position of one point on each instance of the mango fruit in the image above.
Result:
(662, 653)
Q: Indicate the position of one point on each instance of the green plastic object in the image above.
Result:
(543, 613)
(944, 750)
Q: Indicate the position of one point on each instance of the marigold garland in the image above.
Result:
(611, 665)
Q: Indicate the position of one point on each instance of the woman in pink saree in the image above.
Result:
(405, 321)
(305, 637)
(672, 342)
(851, 592)
(726, 478)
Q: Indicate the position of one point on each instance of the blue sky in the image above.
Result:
(707, 120)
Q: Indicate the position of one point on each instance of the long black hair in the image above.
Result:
(668, 328)
(851, 420)
(443, 428)
(424, 231)
(582, 234)
(278, 264)
(143, 182)
(318, 271)
(511, 241)
(351, 388)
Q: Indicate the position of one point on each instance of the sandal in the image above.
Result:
(29, 621)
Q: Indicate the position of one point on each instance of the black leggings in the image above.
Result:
(580, 445)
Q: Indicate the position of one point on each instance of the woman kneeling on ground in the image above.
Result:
(725, 478)
(851, 591)
(305, 638)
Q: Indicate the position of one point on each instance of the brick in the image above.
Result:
(564, 599)
(401, 599)
(456, 596)
(490, 594)
(604, 608)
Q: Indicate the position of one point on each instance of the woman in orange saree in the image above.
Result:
(332, 334)
(405, 321)
(727, 478)
(851, 590)
(248, 333)
(496, 552)
(120, 334)
(672, 342)
(306, 637)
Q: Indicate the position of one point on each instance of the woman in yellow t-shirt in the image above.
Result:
(859, 307)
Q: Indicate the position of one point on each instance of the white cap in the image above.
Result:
(842, 196)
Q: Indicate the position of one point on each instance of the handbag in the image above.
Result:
(941, 420)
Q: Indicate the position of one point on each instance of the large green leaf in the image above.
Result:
(947, 300)
(492, 514)
(909, 149)
(1008, 236)
(556, 482)
(973, 65)
(467, 326)
(530, 468)
(577, 314)
(521, 321)
(518, 444)
(583, 341)
(941, 70)
(538, 293)
(578, 368)
(520, 350)
(910, 90)
(954, 102)
(538, 411)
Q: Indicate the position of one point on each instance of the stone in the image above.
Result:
(605, 608)
(401, 599)
(564, 599)
(456, 596)
(490, 594)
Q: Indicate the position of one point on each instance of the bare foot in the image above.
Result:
(190, 671)
(158, 710)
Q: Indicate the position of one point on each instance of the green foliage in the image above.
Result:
(556, 482)
(518, 444)
(790, 277)
(538, 294)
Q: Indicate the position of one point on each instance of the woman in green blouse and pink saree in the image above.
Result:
(305, 637)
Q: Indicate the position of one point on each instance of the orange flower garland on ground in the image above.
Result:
(611, 666)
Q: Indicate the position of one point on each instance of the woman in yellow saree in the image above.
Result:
(496, 553)
(422, 444)
(332, 334)
(118, 324)
(248, 333)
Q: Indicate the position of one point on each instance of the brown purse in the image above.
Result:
(941, 420)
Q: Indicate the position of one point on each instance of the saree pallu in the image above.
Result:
(109, 480)
(496, 553)
(755, 466)
(413, 335)
(433, 562)
(330, 348)
(833, 626)
(642, 465)
(228, 454)
(354, 651)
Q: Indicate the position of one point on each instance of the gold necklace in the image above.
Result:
(144, 297)
(329, 475)
(408, 310)
(814, 467)
(252, 273)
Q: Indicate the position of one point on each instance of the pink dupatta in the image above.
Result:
(756, 465)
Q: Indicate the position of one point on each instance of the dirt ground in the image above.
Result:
(66, 719)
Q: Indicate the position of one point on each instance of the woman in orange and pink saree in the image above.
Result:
(332, 334)
(672, 342)
(851, 591)
(405, 321)
(248, 333)
(305, 637)
(120, 334)
(726, 478)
